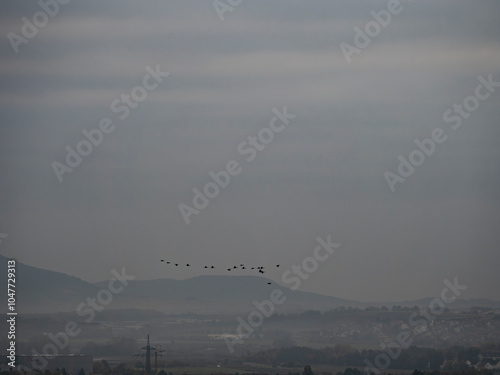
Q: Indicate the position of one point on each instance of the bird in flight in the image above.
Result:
(260, 269)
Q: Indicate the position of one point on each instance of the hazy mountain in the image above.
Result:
(39, 290)
(227, 289)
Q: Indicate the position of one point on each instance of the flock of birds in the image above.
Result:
(259, 269)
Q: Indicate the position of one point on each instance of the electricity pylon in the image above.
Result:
(157, 352)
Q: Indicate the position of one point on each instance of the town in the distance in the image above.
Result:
(240, 324)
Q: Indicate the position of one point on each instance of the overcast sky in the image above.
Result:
(323, 174)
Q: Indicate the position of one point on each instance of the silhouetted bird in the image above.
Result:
(229, 269)
(243, 268)
(168, 262)
(163, 260)
(206, 267)
(212, 267)
(268, 283)
(235, 267)
(176, 264)
(188, 265)
(277, 265)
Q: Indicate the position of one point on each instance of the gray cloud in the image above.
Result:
(322, 175)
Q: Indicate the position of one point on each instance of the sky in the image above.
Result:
(175, 89)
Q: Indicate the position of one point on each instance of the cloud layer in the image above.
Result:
(322, 175)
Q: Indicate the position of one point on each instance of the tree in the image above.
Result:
(344, 348)
(307, 370)
(122, 368)
(352, 371)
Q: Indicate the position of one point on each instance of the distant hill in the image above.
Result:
(43, 291)
(39, 290)
(228, 289)
(457, 304)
